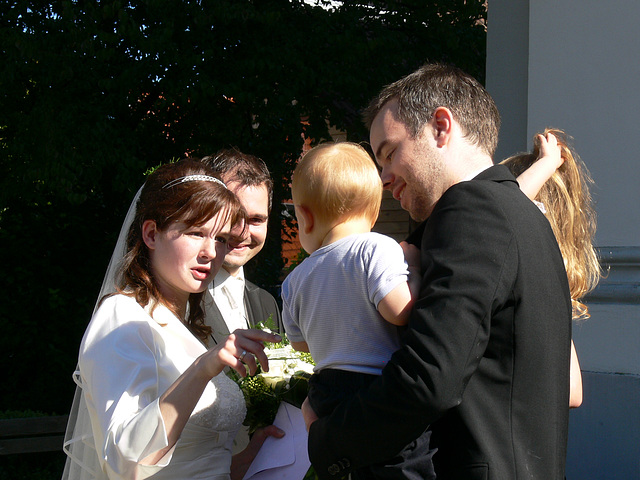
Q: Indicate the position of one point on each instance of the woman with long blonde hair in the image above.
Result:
(555, 178)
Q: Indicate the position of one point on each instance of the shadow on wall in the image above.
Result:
(609, 415)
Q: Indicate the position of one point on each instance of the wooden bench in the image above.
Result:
(29, 435)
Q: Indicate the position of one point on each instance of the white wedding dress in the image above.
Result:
(127, 359)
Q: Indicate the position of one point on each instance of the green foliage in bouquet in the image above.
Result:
(262, 403)
(285, 381)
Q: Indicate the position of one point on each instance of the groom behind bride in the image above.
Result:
(486, 355)
(232, 301)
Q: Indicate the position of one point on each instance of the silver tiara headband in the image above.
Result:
(193, 178)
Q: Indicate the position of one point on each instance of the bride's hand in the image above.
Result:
(242, 351)
(241, 462)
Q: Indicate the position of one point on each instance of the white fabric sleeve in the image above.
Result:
(119, 369)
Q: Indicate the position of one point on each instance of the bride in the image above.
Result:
(152, 400)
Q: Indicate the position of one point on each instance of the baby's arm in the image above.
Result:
(532, 179)
(396, 306)
(300, 346)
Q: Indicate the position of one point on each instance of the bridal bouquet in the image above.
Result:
(287, 380)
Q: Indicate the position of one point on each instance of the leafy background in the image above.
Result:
(94, 93)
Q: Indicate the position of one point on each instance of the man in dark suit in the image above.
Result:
(232, 301)
(486, 358)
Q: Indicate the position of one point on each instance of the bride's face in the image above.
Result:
(185, 260)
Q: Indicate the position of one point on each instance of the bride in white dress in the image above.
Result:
(152, 400)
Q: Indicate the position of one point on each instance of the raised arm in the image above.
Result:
(242, 351)
(533, 178)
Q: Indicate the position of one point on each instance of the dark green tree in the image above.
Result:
(92, 94)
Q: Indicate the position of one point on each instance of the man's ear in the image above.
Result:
(443, 124)
(307, 218)
(149, 232)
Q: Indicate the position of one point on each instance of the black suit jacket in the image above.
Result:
(258, 303)
(486, 355)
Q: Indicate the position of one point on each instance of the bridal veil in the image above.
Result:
(82, 459)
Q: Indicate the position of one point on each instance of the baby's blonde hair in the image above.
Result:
(569, 209)
(337, 182)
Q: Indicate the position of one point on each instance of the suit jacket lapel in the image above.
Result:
(251, 302)
(215, 320)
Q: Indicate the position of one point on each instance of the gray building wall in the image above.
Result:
(575, 65)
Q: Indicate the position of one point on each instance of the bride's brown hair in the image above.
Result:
(166, 202)
(569, 209)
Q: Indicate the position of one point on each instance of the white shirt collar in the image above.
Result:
(223, 276)
(228, 293)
